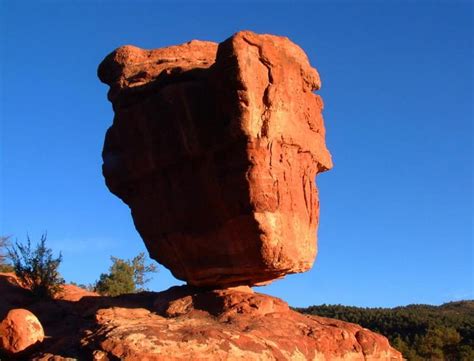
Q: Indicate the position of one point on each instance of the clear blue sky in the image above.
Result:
(396, 210)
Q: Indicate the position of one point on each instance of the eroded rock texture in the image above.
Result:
(185, 323)
(215, 148)
(230, 324)
(19, 330)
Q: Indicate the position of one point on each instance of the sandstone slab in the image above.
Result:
(74, 293)
(215, 148)
(188, 323)
(231, 324)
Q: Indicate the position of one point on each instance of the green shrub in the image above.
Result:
(36, 268)
(125, 276)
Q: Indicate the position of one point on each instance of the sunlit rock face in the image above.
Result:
(19, 330)
(231, 324)
(215, 148)
(182, 323)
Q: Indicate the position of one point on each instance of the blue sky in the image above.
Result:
(396, 210)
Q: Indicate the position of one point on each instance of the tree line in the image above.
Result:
(419, 332)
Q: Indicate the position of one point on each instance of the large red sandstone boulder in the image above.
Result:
(19, 330)
(215, 148)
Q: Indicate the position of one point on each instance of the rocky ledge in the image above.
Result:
(186, 323)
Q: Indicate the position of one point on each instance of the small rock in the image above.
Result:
(20, 330)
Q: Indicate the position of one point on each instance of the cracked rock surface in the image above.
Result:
(186, 323)
(215, 148)
(229, 324)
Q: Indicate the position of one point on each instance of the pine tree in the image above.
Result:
(125, 276)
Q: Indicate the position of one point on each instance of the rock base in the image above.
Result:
(186, 323)
(230, 324)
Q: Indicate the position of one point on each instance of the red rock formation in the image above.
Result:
(231, 324)
(185, 323)
(74, 293)
(19, 330)
(215, 149)
(12, 294)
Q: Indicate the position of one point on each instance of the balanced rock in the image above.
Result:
(19, 330)
(215, 148)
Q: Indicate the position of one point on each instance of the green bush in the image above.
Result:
(125, 276)
(36, 268)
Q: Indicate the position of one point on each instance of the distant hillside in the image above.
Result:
(420, 332)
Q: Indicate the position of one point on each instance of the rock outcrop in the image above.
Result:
(19, 330)
(215, 148)
(12, 294)
(74, 293)
(230, 324)
(186, 323)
